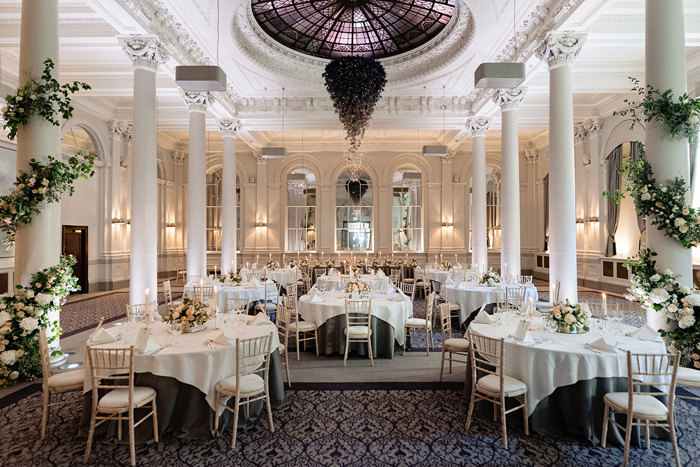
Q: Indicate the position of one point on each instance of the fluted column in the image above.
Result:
(668, 156)
(509, 99)
(229, 222)
(197, 103)
(146, 54)
(559, 51)
(478, 127)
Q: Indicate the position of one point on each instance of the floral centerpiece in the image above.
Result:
(292, 263)
(230, 277)
(317, 262)
(375, 262)
(570, 318)
(192, 314)
(304, 263)
(400, 262)
(388, 261)
(357, 287)
(491, 278)
(272, 265)
(330, 262)
(413, 263)
(360, 263)
(22, 316)
(446, 266)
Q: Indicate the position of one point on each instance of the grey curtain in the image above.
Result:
(635, 155)
(614, 162)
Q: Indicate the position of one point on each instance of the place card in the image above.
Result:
(142, 339)
(521, 331)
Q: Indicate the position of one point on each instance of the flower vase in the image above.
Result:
(192, 327)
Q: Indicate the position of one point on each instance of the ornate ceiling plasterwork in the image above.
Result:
(448, 46)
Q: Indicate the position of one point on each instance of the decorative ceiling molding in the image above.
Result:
(178, 157)
(478, 126)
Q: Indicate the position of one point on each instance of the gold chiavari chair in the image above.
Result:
(358, 325)
(283, 321)
(236, 305)
(453, 347)
(420, 324)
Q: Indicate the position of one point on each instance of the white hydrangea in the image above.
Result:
(29, 324)
(4, 317)
(658, 295)
(693, 299)
(655, 278)
(43, 299)
(646, 196)
(686, 321)
(8, 357)
(29, 293)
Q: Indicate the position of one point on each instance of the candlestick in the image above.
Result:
(284, 260)
(148, 307)
(269, 258)
(201, 291)
(257, 259)
(214, 310)
(605, 306)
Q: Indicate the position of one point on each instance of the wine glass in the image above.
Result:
(176, 330)
(551, 325)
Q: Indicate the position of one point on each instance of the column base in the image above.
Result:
(58, 360)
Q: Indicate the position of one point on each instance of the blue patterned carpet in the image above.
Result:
(370, 427)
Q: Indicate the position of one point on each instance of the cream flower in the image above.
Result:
(8, 357)
(658, 295)
(29, 324)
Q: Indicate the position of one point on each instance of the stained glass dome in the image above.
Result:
(368, 28)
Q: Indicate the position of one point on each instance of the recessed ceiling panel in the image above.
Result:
(367, 28)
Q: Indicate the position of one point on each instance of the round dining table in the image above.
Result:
(566, 378)
(470, 297)
(377, 282)
(438, 275)
(283, 276)
(184, 371)
(327, 310)
(251, 291)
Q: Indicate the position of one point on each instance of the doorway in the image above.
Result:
(75, 242)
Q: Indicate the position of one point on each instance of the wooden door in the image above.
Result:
(75, 242)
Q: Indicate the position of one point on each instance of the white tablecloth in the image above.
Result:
(471, 297)
(247, 290)
(377, 283)
(553, 360)
(191, 362)
(283, 276)
(392, 312)
(437, 275)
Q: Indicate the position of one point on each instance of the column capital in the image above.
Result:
(447, 159)
(259, 159)
(579, 133)
(593, 126)
(478, 126)
(197, 101)
(178, 157)
(229, 127)
(118, 129)
(145, 51)
(531, 154)
(510, 98)
(561, 48)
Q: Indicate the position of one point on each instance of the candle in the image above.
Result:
(233, 267)
(215, 270)
(269, 258)
(483, 267)
(257, 259)
(505, 271)
(322, 255)
(246, 264)
(435, 259)
(605, 306)
(455, 258)
(148, 307)
(214, 310)
(284, 259)
(201, 290)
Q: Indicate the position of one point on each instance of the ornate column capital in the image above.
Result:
(579, 133)
(561, 48)
(478, 126)
(229, 127)
(259, 159)
(593, 126)
(197, 101)
(145, 51)
(531, 154)
(447, 159)
(510, 98)
(118, 129)
(178, 157)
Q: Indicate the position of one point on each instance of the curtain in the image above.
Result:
(635, 155)
(614, 162)
(546, 212)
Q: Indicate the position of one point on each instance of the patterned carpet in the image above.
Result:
(337, 427)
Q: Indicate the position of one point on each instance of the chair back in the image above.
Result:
(647, 373)
(436, 287)
(283, 319)
(487, 355)
(526, 280)
(289, 301)
(139, 312)
(259, 273)
(430, 307)
(418, 274)
(515, 296)
(394, 276)
(458, 273)
(409, 290)
(445, 320)
(253, 356)
(168, 291)
(116, 365)
(237, 305)
(321, 271)
(272, 292)
(205, 291)
(194, 279)
(358, 313)
(45, 356)
(292, 290)
(344, 279)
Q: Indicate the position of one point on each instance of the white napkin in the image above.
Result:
(261, 318)
(150, 347)
(102, 336)
(398, 298)
(316, 299)
(222, 339)
(269, 281)
(605, 343)
(380, 273)
(256, 282)
(482, 317)
(450, 281)
(645, 332)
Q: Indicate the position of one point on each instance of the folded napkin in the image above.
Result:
(645, 332)
(398, 298)
(244, 269)
(150, 347)
(223, 340)
(102, 336)
(450, 281)
(261, 318)
(482, 317)
(256, 282)
(269, 281)
(605, 343)
(316, 299)
(380, 273)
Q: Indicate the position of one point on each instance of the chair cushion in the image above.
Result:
(643, 405)
(458, 344)
(248, 384)
(67, 378)
(415, 322)
(119, 398)
(357, 331)
(408, 280)
(688, 376)
(511, 386)
(302, 326)
(269, 306)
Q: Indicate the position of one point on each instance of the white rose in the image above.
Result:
(686, 321)
(683, 229)
(8, 357)
(646, 196)
(655, 278)
(29, 293)
(29, 324)
(569, 318)
(693, 299)
(672, 308)
(43, 299)
(668, 272)
(14, 375)
(45, 182)
(684, 289)
(644, 189)
(658, 295)
(679, 221)
(4, 317)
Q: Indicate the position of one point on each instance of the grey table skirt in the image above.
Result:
(183, 411)
(331, 338)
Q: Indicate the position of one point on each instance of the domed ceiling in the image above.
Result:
(368, 28)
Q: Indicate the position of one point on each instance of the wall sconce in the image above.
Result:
(447, 225)
(580, 220)
(170, 225)
(117, 220)
(261, 225)
(128, 222)
(592, 220)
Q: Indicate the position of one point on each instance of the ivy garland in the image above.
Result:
(45, 98)
(679, 116)
(44, 183)
(665, 206)
(22, 316)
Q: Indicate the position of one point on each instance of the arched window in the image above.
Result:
(493, 207)
(77, 139)
(407, 220)
(354, 228)
(214, 194)
(301, 210)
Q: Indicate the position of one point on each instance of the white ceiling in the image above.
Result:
(256, 72)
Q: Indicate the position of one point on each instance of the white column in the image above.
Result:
(197, 103)
(509, 99)
(229, 223)
(447, 206)
(478, 127)
(178, 158)
(38, 244)
(665, 69)
(146, 53)
(559, 51)
(594, 129)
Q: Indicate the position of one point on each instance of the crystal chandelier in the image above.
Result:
(411, 179)
(297, 183)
